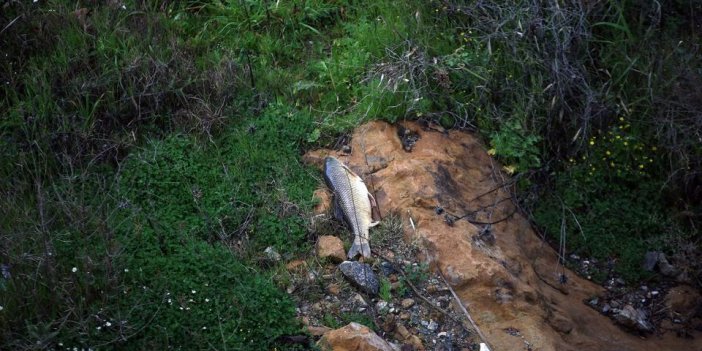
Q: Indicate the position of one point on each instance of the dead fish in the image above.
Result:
(352, 203)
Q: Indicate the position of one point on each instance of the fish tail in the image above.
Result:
(358, 247)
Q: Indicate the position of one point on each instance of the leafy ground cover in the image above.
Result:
(150, 150)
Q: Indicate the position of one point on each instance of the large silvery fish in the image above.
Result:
(352, 203)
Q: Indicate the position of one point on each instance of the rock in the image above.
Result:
(360, 300)
(331, 247)
(407, 303)
(633, 318)
(386, 268)
(431, 325)
(361, 275)
(318, 330)
(416, 342)
(682, 302)
(333, 289)
(323, 198)
(272, 254)
(665, 267)
(296, 265)
(353, 337)
(388, 323)
(650, 260)
(401, 332)
(404, 316)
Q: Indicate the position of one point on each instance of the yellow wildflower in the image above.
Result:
(510, 169)
(492, 152)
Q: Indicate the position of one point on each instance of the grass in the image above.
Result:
(152, 149)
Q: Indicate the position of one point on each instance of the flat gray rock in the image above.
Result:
(361, 275)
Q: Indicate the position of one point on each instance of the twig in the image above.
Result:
(465, 311)
(416, 291)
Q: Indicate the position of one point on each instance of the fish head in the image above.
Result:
(331, 162)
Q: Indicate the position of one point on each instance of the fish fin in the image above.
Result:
(373, 224)
(352, 173)
(338, 212)
(372, 200)
(359, 248)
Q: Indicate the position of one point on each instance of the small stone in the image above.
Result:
(620, 281)
(360, 300)
(362, 275)
(650, 260)
(404, 316)
(407, 303)
(606, 308)
(295, 265)
(665, 267)
(416, 342)
(272, 254)
(633, 318)
(432, 326)
(442, 334)
(401, 332)
(311, 277)
(389, 323)
(353, 336)
(594, 301)
(333, 289)
(331, 247)
(386, 268)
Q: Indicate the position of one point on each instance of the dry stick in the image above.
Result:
(416, 291)
(465, 311)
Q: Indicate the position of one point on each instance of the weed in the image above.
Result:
(385, 288)
(416, 273)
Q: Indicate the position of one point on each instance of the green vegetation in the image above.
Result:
(150, 151)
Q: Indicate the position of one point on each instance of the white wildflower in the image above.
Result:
(108, 324)
(74, 269)
(193, 291)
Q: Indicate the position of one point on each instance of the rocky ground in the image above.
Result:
(665, 303)
(399, 299)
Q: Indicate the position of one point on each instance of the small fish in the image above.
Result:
(352, 203)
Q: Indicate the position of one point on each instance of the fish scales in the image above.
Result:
(352, 203)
